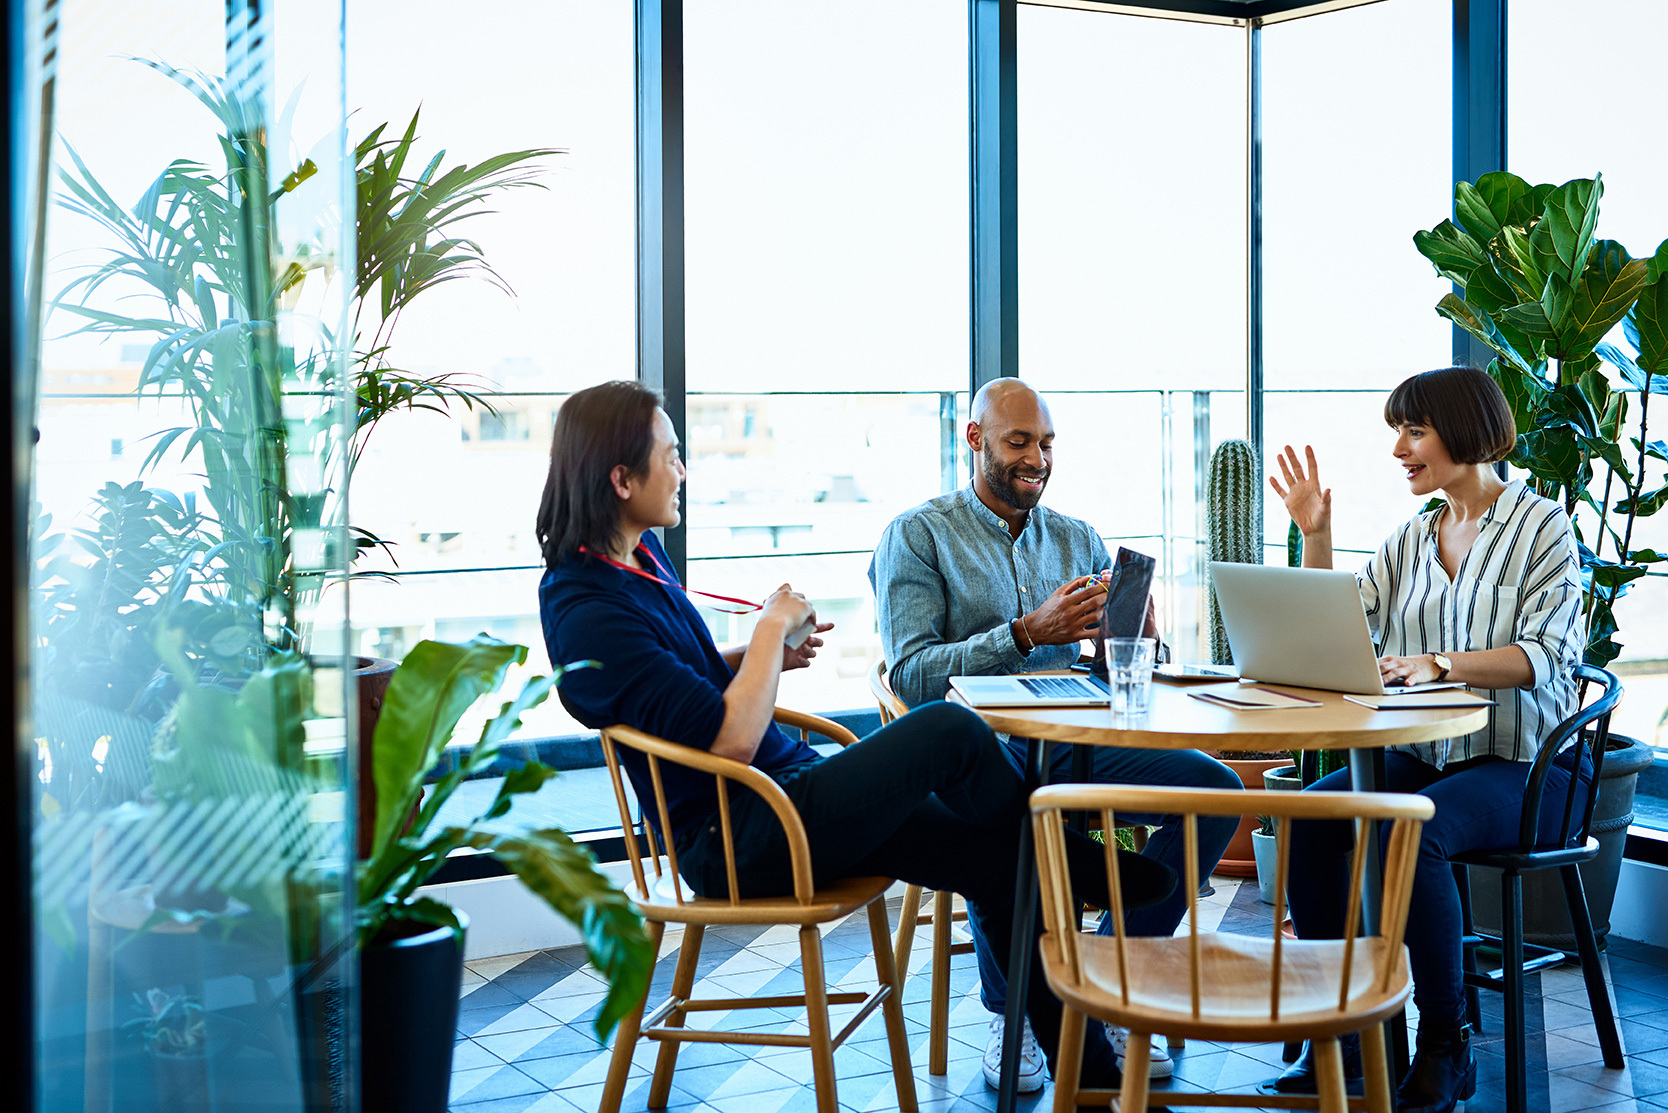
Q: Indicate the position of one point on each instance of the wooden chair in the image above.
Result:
(943, 913)
(1587, 732)
(664, 899)
(1227, 987)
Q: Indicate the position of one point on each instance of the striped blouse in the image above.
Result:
(1519, 585)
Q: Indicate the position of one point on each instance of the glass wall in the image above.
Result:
(1357, 154)
(452, 491)
(190, 805)
(1132, 240)
(826, 185)
(1553, 138)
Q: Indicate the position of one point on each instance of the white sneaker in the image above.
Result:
(1159, 1063)
(1032, 1069)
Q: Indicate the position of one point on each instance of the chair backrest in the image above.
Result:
(891, 707)
(724, 770)
(1061, 914)
(1585, 733)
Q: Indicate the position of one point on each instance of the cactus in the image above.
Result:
(1234, 516)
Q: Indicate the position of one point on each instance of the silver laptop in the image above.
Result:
(1301, 626)
(1072, 690)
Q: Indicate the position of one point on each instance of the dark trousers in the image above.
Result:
(1478, 807)
(929, 799)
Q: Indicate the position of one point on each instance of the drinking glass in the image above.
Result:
(1129, 665)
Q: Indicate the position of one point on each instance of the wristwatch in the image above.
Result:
(1444, 663)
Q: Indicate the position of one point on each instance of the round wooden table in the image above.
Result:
(1174, 720)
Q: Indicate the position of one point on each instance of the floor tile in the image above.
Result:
(526, 1023)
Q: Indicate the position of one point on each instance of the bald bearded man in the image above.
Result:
(987, 581)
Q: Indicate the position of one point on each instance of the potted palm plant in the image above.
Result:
(211, 309)
(412, 945)
(1537, 287)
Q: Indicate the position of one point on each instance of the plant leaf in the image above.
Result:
(1524, 393)
(1453, 253)
(1648, 324)
(432, 688)
(1564, 234)
(566, 877)
(1480, 325)
(1581, 314)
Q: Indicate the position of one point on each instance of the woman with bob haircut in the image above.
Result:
(931, 798)
(1483, 589)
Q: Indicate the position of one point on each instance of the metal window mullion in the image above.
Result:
(1479, 106)
(994, 157)
(660, 224)
(1254, 238)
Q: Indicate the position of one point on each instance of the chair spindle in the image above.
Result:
(1190, 847)
(729, 840)
(1352, 921)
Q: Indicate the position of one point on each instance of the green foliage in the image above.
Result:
(176, 1026)
(435, 684)
(1541, 292)
(196, 254)
(1234, 514)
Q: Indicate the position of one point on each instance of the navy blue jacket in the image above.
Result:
(661, 673)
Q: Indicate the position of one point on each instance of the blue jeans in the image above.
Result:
(1137, 766)
(1478, 807)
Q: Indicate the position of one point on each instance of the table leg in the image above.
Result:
(1366, 774)
(1024, 935)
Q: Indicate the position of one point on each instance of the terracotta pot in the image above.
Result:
(1239, 860)
(370, 680)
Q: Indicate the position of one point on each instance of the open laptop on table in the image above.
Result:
(1301, 626)
(1123, 614)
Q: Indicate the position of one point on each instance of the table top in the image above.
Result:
(1176, 721)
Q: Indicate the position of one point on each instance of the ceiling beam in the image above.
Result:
(1225, 12)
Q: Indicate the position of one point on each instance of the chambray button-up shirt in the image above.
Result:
(949, 579)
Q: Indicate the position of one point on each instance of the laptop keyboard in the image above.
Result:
(1063, 687)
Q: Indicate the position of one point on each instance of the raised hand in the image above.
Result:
(1308, 503)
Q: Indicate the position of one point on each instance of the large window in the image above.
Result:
(1132, 249)
(1554, 139)
(1356, 158)
(455, 494)
(826, 185)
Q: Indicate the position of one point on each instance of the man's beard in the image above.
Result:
(1002, 484)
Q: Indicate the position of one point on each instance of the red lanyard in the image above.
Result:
(669, 582)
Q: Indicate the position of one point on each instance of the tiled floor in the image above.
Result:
(526, 1042)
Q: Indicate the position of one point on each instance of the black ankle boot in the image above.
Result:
(1300, 1076)
(1443, 1072)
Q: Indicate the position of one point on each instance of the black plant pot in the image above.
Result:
(408, 1009)
(1546, 922)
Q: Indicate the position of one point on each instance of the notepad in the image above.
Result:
(1422, 701)
(1247, 698)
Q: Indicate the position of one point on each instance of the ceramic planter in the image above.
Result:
(408, 1009)
(1546, 923)
(1239, 860)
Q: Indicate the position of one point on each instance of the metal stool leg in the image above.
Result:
(1511, 946)
(1598, 994)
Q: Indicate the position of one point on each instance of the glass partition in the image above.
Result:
(191, 781)
(1553, 140)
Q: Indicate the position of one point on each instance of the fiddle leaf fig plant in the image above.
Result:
(1541, 291)
(430, 691)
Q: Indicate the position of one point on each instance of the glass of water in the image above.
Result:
(1129, 665)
